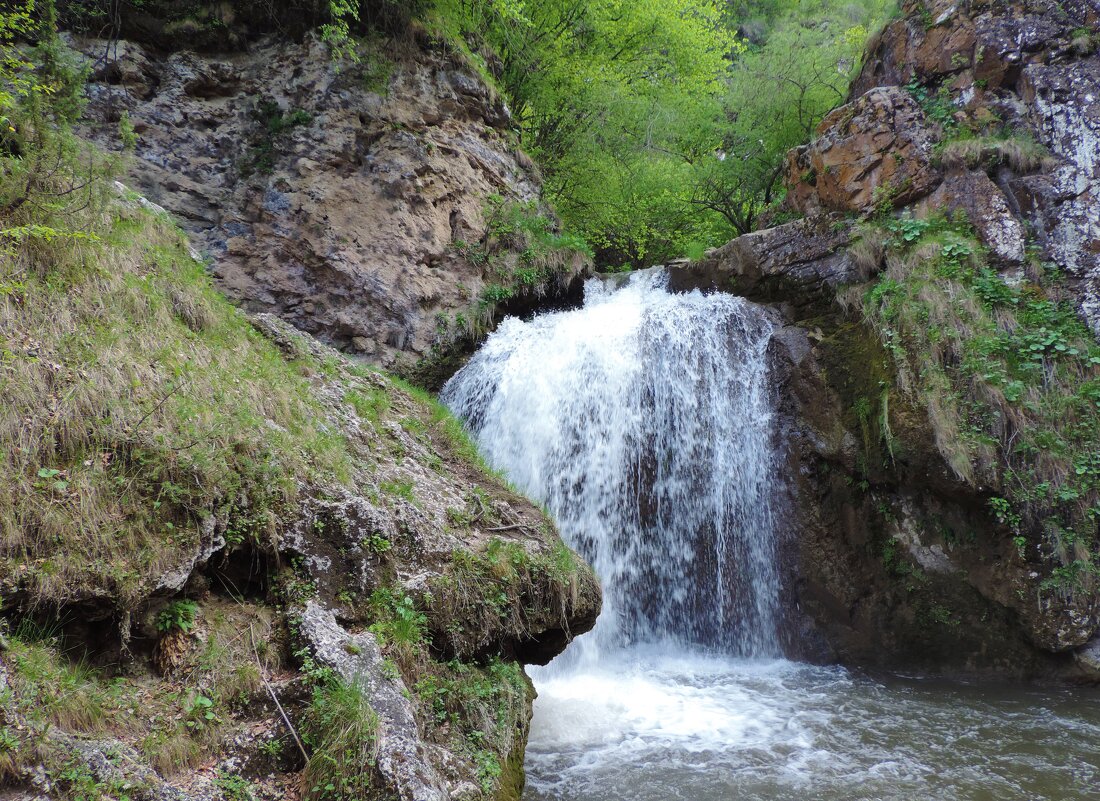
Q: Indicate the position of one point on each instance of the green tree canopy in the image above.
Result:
(661, 127)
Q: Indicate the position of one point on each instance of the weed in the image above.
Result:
(177, 616)
(398, 620)
(272, 126)
(340, 728)
(233, 786)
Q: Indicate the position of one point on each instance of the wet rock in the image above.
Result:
(802, 262)
(1088, 659)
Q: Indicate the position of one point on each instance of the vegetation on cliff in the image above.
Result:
(1010, 377)
(662, 128)
(179, 481)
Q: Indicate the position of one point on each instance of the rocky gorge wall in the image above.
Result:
(354, 200)
(940, 389)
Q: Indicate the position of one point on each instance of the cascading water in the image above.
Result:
(644, 421)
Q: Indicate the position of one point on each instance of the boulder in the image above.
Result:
(873, 152)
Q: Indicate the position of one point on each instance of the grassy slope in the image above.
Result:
(137, 403)
(138, 407)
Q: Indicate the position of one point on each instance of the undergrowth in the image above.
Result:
(340, 728)
(1010, 378)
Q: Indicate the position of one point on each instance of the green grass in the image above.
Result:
(523, 253)
(1010, 378)
(341, 730)
(136, 403)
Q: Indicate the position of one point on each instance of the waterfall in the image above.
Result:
(644, 422)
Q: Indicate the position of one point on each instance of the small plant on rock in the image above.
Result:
(177, 616)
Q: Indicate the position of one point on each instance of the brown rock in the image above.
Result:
(932, 40)
(875, 150)
(344, 222)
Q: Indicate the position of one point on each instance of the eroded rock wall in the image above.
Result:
(341, 196)
(986, 114)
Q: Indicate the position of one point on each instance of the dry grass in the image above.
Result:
(1020, 153)
(172, 752)
(868, 252)
(134, 404)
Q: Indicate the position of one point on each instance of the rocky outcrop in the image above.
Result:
(342, 197)
(875, 151)
(1033, 69)
(802, 262)
(980, 116)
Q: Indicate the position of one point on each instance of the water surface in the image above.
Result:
(647, 726)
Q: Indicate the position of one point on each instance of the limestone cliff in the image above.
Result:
(382, 205)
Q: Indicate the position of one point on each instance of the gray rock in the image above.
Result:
(403, 757)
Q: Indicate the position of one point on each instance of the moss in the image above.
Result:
(858, 369)
(512, 776)
(1009, 377)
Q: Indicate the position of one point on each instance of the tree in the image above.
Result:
(778, 93)
(602, 90)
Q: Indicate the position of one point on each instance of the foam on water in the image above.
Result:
(652, 727)
(644, 422)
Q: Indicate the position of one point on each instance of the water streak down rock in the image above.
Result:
(644, 422)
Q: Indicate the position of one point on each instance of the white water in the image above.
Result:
(644, 422)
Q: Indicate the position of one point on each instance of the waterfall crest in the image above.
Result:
(644, 422)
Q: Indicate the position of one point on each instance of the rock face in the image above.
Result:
(875, 150)
(985, 112)
(340, 197)
(1034, 66)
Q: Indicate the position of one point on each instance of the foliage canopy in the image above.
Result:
(662, 127)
